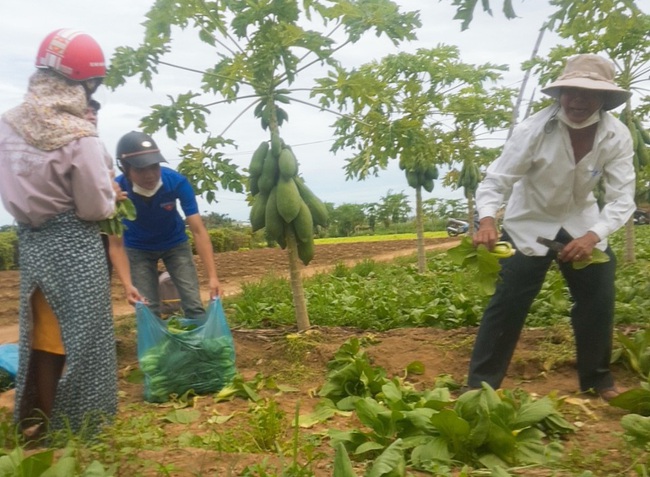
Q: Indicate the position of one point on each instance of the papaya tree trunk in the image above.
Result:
(630, 256)
(470, 211)
(297, 290)
(419, 227)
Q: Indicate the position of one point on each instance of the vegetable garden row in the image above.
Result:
(288, 414)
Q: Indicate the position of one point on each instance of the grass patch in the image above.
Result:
(379, 238)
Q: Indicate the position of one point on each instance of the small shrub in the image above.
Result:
(8, 250)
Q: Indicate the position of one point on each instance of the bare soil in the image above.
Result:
(234, 269)
(268, 353)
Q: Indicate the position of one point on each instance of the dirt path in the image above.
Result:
(235, 269)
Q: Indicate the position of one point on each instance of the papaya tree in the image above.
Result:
(465, 10)
(347, 218)
(420, 174)
(370, 210)
(474, 116)
(261, 49)
(393, 208)
(619, 31)
(414, 108)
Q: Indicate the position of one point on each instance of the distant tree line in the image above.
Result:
(391, 214)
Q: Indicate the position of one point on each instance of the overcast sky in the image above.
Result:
(115, 23)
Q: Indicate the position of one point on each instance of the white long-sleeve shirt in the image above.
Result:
(546, 190)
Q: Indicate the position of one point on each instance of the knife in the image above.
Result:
(552, 244)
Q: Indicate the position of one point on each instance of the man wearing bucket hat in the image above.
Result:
(547, 173)
(158, 232)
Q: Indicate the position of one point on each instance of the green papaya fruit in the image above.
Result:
(644, 134)
(274, 223)
(258, 210)
(305, 251)
(412, 179)
(318, 210)
(287, 164)
(252, 185)
(276, 144)
(269, 176)
(303, 224)
(257, 161)
(431, 172)
(288, 199)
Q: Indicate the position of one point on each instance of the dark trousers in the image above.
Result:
(592, 317)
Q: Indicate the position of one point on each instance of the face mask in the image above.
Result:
(146, 192)
(593, 119)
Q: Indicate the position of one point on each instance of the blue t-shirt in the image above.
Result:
(158, 225)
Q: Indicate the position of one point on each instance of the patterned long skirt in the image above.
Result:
(65, 259)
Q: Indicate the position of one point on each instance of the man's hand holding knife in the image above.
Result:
(575, 251)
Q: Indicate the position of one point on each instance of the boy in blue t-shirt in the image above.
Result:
(158, 232)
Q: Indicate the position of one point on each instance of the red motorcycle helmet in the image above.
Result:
(73, 54)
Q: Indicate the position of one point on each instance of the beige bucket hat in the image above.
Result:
(590, 71)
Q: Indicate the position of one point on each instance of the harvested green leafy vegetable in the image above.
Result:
(182, 362)
(177, 324)
(6, 381)
(485, 264)
(124, 209)
(597, 256)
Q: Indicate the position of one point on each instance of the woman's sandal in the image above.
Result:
(34, 433)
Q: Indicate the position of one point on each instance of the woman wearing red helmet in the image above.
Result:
(56, 183)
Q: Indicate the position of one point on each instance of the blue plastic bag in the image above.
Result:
(9, 362)
(197, 356)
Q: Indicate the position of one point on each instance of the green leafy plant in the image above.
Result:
(597, 256)
(636, 400)
(8, 250)
(351, 375)
(6, 381)
(481, 428)
(295, 468)
(635, 351)
(484, 263)
(43, 464)
(637, 429)
(239, 387)
(267, 423)
(124, 209)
